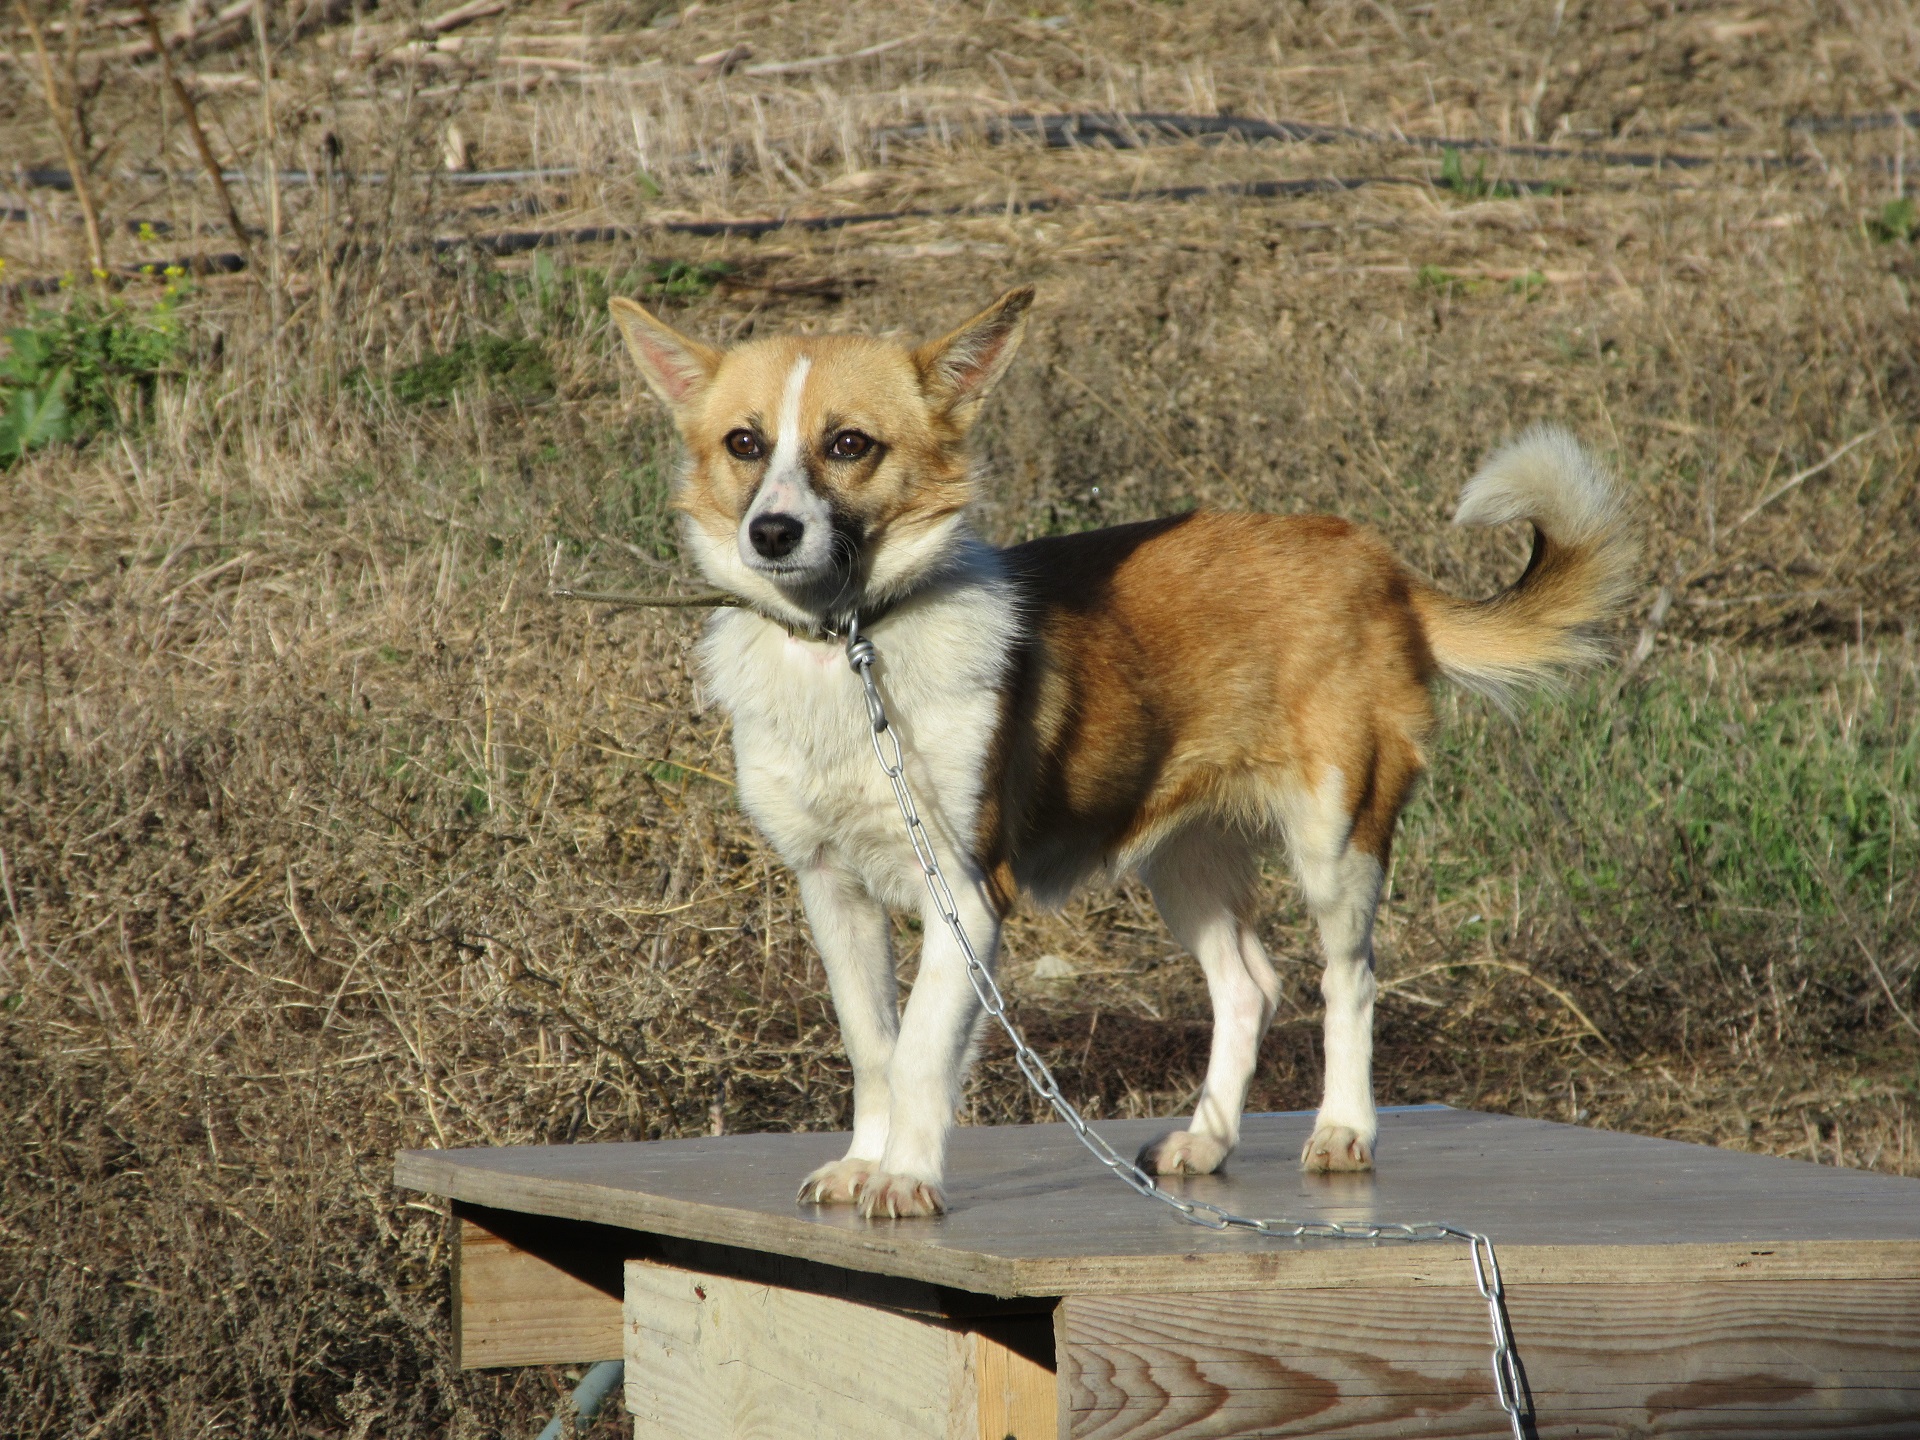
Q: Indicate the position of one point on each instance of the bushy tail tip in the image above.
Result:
(1581, 572)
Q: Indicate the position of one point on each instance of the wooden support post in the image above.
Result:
(553, 1298)
(708, 1355)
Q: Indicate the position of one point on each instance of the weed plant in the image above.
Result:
(90, 365)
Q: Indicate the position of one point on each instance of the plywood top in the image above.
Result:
(1033, 1214)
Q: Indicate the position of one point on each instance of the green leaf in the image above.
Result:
(36, 417)
(26, 361)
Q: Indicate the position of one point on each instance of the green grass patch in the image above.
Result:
(1788, 795)
(1477, 186)
(519, 366)
(88, 367)
(554, 298)
(1895, 223)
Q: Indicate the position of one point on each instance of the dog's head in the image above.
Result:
(824, 475)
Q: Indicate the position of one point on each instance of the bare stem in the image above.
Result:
(270, 136)
(82, 188)
(192, 116)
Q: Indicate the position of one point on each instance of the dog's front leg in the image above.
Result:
(851, 932)
(929, 1061)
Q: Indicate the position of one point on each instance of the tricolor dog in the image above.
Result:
(1172, 698)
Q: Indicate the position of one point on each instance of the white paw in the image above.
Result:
(1181, 1152)
(839, 1183)
(899, 1197)
(1336, 1147)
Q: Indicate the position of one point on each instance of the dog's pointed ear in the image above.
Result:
(958, 370)
(676, 366)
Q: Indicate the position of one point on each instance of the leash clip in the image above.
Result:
(861, 655)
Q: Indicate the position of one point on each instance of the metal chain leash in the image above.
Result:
(862, 655)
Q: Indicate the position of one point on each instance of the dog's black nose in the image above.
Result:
(775, 536)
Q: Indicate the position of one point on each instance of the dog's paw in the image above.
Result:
(839, 1183)
(1336, 1147)
(1181, 1152)
(899, 1197)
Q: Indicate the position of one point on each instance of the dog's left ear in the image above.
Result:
(958, 370)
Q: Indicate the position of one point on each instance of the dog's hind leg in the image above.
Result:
(851, 931)
(1339, 854)
(1202, 880)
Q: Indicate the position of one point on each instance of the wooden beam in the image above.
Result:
(1016, 1380)
(1713, 1361)
(542, 1301)
(710, 1355)
(533, 1290)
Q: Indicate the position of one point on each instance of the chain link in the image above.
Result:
(862, 655)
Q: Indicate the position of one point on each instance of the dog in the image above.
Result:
(1171, 699)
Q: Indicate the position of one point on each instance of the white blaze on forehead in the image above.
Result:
(786, 438)
(787, 489)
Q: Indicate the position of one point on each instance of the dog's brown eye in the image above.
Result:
(849, 445)
(744, 445)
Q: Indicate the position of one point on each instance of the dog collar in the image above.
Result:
(824, 631)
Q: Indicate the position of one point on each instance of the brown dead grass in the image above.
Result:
(324, 833)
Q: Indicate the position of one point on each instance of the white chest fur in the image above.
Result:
(807, 771)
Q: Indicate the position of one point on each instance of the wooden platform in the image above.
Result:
(1655, 1288)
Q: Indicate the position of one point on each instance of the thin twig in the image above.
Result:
(1518, 969)
(822, 62)
(1146, 433)
(714, 598)
(1845, 912)
(270, 135)
(1807, 474)
(82, 188)
(191, 114)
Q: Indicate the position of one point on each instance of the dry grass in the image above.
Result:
(325, 833)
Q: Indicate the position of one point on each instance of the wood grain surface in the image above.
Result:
(1717, 1361)
(1033, 1215)
(513, 1307)
(710, 1356)
(1016, 1379)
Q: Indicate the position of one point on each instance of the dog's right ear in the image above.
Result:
(677, 367)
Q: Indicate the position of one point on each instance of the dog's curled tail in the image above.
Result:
(1581, 572)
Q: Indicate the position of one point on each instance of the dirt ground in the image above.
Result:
(326, 831)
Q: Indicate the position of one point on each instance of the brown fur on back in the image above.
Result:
(1202, 666)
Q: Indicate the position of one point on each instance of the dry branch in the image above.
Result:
(57, 117)
(191, 114)
(822, 62)
(1794, 481)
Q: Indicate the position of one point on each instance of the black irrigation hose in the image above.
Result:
(1887, 120)
(1139, 131)
(1135, 132)
(517, 242)
(56, 178)
(513, 242)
